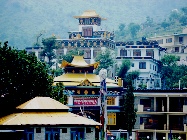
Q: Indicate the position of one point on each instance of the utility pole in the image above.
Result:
(103, 106)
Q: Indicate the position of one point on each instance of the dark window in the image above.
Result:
(136, 52)
(176, 49)
(52, 134)
(29, 134)
(142, 65)
(64, 130)
(87, 31)
(145, 102)
(123, 52)
(168, 40)
(132, 65)
(180, 40)
(88, 130)
(160, 41)
(87, 54)
(150, 52)
(38, 130)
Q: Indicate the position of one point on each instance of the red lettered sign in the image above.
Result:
(85, 101)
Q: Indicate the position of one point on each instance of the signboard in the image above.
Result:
(85, 101)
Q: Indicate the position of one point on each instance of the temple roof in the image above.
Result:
(89, 14)
(42, 103)
(78, 61)
(45, 118)
(75, 79)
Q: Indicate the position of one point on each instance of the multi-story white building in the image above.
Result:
(176, 44)
(145, 59)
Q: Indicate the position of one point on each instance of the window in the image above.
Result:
(176, 49)
(111, 101)
(150, 52)
(87, 54)
(95, 52)
(86, 21)
(160, 41)
(142, 65)
(29, 134)
(132, 65)
(77, 133)
(88, 130)
(146, 103)
(136, 52)
(168, 40)
(38, 130)
(64, 130)
(87, 31)
(123, 52)
(52, 134)
(180, 40)
(111, 118)
(150, 66)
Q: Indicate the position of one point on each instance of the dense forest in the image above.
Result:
(23, 21)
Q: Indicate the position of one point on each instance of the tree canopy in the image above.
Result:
(48, 51)
(22, 77)
(172, 72)
(69, 56)
(124, 74)
(129, 110)
(106, 60)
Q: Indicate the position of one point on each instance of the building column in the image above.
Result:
(92, 59)
(65, 51)
(166, 136)
(167, 122)
(154, 104)
(167, 103)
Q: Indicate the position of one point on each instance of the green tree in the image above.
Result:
(22, 77)
(106, 60)
(165, 24)
(129, 110)
(170, 71)
(58, 93)
(69, 56)
(124, 74)
(49, 49)
(133, 29)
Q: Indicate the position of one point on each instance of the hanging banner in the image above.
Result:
(85, 101)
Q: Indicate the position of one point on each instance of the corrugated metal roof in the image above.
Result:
(88, 14)
(42, 103)
(78, 61)
(46, 118)
(78, 77)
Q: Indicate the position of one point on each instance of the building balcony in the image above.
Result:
(142, 108)
(180, 127)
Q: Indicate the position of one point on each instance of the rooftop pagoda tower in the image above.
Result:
(89, 22)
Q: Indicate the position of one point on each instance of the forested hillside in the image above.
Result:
(21, 21)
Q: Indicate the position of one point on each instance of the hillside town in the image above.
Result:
(94, 108)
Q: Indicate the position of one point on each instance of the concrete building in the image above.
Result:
(161, 114)
(43, 118)
(175, 44)
(145, 59)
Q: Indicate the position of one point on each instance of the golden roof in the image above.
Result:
(89, 14)
(46, 118)
(75, 79)
(78, 61)
(42, 103)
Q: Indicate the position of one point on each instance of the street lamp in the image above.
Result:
(148, 137)
(164, 138)
(103, 108)
(179, 137)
